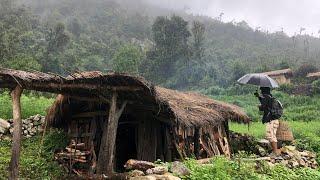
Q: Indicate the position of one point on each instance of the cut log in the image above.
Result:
(17, 129)
(139, 165)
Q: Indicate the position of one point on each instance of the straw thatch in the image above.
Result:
(185, 108)
(313, 75)
(286, 72)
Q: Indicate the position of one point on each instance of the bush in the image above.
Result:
(33, 164)
(316, 86)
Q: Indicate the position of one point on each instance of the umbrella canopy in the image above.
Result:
(261, 80)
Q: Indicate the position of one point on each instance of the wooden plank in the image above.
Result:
(17, 129)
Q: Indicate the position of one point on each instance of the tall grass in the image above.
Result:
(30, 105)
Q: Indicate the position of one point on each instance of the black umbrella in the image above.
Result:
(261, 80)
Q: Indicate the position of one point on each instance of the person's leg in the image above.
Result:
(271, 131)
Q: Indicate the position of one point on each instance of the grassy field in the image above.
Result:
(296, 108)
(30, 105)
(301, 112)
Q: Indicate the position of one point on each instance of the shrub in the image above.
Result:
(316, 86)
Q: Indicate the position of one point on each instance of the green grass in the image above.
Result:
(222, 169)
(33, 165)
(30, 105)
(300, 129)
(296, 108)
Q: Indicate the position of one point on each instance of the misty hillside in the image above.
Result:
(63, 36)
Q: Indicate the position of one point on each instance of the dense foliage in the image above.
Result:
(36, 159)
(181, 50)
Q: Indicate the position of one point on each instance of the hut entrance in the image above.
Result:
(126, 147)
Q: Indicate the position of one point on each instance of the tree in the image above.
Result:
(171, 46)
(198, 30)
(127, 59)
(57, 39)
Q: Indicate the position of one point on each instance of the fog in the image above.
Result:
(271, 15)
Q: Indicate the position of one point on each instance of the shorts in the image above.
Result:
(271, 130)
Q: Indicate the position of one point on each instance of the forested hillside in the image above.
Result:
(171, 48)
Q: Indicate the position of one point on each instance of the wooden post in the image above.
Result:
(196, 143)
(106, 154)
(17, 129)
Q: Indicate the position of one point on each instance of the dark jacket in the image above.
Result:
(266, 104)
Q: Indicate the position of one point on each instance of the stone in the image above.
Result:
(28, 136)
(4, 124)
(179, 169)
(302, 163)
(261, 150)
(2, 130)
(136, 173)
(167, 176)
(286, 157)
(293, 164)
(157, 170)
(37, 117)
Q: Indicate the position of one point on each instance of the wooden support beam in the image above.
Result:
(196, 142)
(106, 154)
(17, 129)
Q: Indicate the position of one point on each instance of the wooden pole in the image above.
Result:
(17, 129)
(106, 154)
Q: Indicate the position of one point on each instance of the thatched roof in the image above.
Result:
(287, 72)
(313, 75)
(185, 108)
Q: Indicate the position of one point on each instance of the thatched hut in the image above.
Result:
(282, 76)
(314, 75)
(118, 117)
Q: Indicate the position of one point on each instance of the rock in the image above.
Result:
(11, 130)
(37, 117)
(302, 163)
(4, 124)
(261, 150)
(136, 173)
(2, 130)
(286, 157)
(179, 168)
(167, 176)
(157, 170)
(28, 136)
(293, 164)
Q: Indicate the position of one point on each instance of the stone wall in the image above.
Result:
(30, 126)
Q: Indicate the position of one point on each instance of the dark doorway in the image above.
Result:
(126, 141)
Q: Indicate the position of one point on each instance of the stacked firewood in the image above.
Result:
(30, 126)
(74, 155)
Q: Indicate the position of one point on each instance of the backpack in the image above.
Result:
(276, 109)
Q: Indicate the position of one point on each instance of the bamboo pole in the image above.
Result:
(17, 129)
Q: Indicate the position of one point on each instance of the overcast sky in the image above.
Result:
(272, 15)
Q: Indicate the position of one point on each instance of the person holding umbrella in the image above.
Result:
(271, 107)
